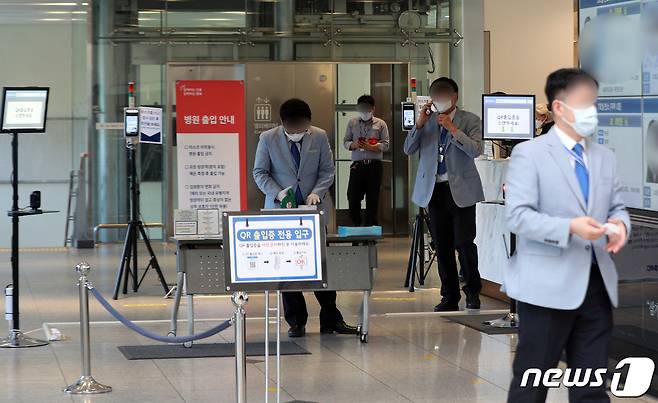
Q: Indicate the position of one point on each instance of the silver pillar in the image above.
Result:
(239, 321)
(110, 82)
(86, 384)
(284, 15)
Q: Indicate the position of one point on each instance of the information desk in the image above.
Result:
(200, 268)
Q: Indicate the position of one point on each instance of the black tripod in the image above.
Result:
(135, 228)
(417, 267)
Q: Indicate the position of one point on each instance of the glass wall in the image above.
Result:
(136, 41)
(45, 44)
(89, 51)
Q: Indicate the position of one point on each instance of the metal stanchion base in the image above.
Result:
(511, 320)
(16, 339)
(87, 385)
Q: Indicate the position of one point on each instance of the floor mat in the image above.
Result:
(477, 322)
(165, 351)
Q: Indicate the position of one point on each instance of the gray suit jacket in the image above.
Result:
(274, 168)
(461, 150)
(551, 267)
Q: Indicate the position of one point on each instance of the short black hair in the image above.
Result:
(294, 109)
(366, 99)
(561, 80)
(444, 83)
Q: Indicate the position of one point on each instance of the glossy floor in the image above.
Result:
(413, 355)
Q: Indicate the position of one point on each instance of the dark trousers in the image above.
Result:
(544, 333)
(453, 228)
(365, 180)
(294, 308)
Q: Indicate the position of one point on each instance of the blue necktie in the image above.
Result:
(442, 143)
(297, 158)
(581, 171)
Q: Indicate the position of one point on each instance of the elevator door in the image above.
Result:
(267, 85)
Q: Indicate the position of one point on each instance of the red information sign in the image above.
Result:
(210, 124)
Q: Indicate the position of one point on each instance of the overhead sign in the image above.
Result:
(211, 143)
(150, 125)
(274, 250)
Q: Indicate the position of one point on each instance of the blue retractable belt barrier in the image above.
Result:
(165, 339)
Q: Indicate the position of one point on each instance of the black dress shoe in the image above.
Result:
(296, 331)
(446, 306)
(340, 328)
(473, 302)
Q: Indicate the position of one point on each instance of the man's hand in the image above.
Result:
(586, 228)
(445, 121)
(372, 147)
(312, 199)
(618, 240)
(423, 116)
(282, 194)
(354, 145)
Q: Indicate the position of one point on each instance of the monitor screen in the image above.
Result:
(508, 117)
(24, 109)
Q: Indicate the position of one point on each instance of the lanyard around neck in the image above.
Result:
(579, 159)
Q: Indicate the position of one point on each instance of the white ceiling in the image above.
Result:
(42, 11)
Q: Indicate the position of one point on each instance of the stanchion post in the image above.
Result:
(239, 320)
(86, 385)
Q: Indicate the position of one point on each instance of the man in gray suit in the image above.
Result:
(297, 156)
(448, 185)
(560, 190)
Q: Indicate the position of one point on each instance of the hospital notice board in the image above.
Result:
(274, 250)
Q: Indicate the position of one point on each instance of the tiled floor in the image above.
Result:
(413, 355)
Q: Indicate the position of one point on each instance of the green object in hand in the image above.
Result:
(290, 201)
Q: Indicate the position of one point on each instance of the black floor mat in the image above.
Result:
(477, 322)
(165, 351)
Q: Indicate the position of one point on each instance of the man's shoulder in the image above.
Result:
(270, 133)
(378, 121)
(316, 131)
(468, 116)
(536, 145)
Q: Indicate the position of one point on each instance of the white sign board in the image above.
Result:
(274, 248)
(208, 175)
(150, 125)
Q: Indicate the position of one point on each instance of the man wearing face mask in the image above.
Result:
(298, 156)
(367, 137)
(448, 185)
(563, 202)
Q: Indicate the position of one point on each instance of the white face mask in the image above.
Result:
(442, 105)
(585, 120)
(365, 116)
(296, 137)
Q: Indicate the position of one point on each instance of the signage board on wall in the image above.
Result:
(150, 125)
(211, 145)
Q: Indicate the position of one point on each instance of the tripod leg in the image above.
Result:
(420, 267)
(129, 265)
(414, 261)
(135, 266)
(412, 251)
(154, 259)
(125, 257)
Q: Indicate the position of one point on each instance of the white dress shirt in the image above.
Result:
(569, 143)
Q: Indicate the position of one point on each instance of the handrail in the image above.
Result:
(119, 226)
